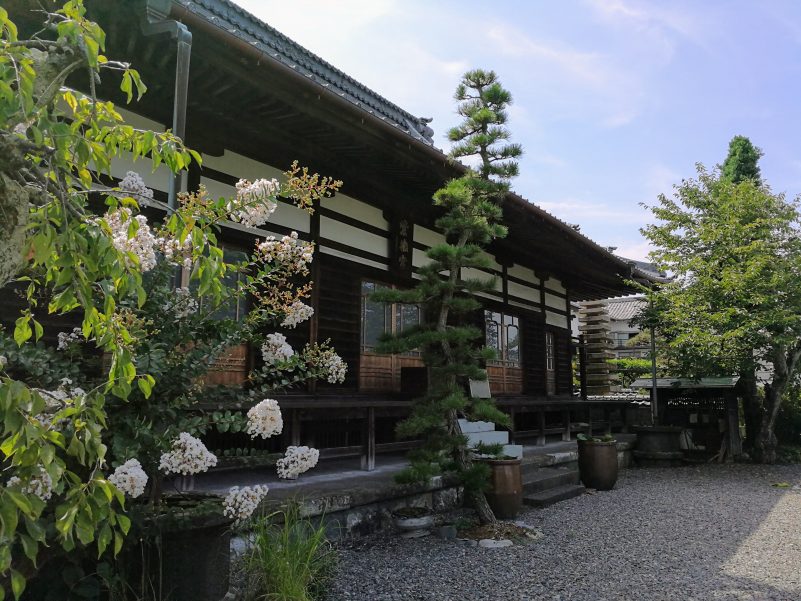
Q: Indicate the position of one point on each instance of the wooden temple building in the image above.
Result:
(251, 101)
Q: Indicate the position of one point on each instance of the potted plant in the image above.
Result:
(597, 458)
(413, 522)
(505, 492)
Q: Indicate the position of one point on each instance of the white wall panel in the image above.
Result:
(353, 236)
(553, 319)
(426, 236)
(525, 292)
(555, 285)
(343, 255)
(557, 302)
(523, 273)
(355, 209)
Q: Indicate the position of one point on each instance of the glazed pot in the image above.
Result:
(183, 553)
(597, 464)
(505, 495)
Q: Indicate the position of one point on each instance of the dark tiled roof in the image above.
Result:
(721, 382)
(242, 24)
(624, 309)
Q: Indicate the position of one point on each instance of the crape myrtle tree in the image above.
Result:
(734, 248)
(452, 347)
(74, 244)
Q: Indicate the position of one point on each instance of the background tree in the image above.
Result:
(735, 303)
(452, 348)
(742, 161)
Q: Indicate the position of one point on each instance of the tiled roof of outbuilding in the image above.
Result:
(624, 309)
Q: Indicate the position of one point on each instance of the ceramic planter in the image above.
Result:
(505, 495)
(598, 464)
(413, 527)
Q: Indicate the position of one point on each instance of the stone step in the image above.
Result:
(470, 427)
(531, 465)
(549, 477)
(553, 495)
(513, 450)
(494, 437)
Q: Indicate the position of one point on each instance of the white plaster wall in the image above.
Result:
(553, 319)
(355, 209)
(353, 236)
(555, 285)
(520, 291)
(557, 302)
(241, 166)
(343, 255)
(523, 273)
(428, 237)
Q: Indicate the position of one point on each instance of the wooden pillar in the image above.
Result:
(541, 436)
(583, 366)
(295, 429)
(566, 425)
(316, 272)
(368, 445)
(512, 413)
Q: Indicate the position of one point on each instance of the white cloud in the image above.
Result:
(659, 179)
(637, 249)
(577, 83)
(581, 211)
(658, 24)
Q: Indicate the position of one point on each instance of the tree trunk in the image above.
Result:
(752, 408)
(765, 447)
(783, 370)
(476, 497)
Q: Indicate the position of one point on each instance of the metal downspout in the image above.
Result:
(157, 21)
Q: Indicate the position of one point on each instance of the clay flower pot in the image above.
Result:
(413, 522)
(598, 463)
(505, 495)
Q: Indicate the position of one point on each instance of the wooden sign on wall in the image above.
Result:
(401, 237)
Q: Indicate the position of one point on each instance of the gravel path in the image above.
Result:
(714, 532)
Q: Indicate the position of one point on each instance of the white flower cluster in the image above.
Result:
(188, 456)
(130, 478)
(254, 202)
(134, 185)
(333, 365)
(296, 313)
(143, 242)
(276, 349)
(67, 338)
(175, 252)
(240, 503)
(56, 400)
(182, 304)
(265, 419)
(40, 486)
(288, 251)
(296, 461)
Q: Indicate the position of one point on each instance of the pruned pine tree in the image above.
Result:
(452, 348)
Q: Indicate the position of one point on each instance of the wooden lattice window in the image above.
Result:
(383, 372)
(503, 335)
(550, 363)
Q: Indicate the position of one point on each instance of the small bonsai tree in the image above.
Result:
(452, 348)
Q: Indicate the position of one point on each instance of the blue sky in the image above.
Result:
(615, 101)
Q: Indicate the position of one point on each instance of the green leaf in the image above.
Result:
(145, 387)
(124, 523)
(22, 330)
(17, 584)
